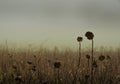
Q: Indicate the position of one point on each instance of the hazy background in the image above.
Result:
(59, 22)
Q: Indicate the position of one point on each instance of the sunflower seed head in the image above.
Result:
(89, 35)
(57, 64)
(79, 39)
(101, 58)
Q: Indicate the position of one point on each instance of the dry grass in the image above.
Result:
(37, 67)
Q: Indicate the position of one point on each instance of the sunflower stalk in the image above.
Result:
(79, 60)
(79, 39)
(92, 63)
(90, 36)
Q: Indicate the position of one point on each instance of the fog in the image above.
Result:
(59, 22)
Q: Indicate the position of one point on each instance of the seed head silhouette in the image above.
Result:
(101, 58)
(88, 56)
(29, 62)
(14, 67)
(34, 68)
(57, 65)
(108, 57)
(95, 64)
(89, 35)
(79, 39)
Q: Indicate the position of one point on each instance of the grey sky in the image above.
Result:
(34, 21)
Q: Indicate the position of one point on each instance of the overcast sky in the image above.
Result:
(59, 22)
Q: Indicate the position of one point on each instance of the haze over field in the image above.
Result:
(59, 22)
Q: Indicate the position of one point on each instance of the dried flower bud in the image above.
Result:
(95, 64)
(57, 64)
(101, 58)
(88, 56)
(29, 62)
(89, 35)
(79, 39)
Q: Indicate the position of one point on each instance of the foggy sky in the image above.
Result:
(59, 22)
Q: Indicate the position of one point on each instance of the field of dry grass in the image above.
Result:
(44, 66)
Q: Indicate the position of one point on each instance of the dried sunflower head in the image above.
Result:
(79, 39)
(89, 35)
(101, 58)
(88, 56)
(57, 64)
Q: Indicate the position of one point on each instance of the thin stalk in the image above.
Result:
(88, 66)
(78, 66)
(92, 63)
(58, 78)
(55, 76)
(79, 55)
(88, 63)
(79, 60)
